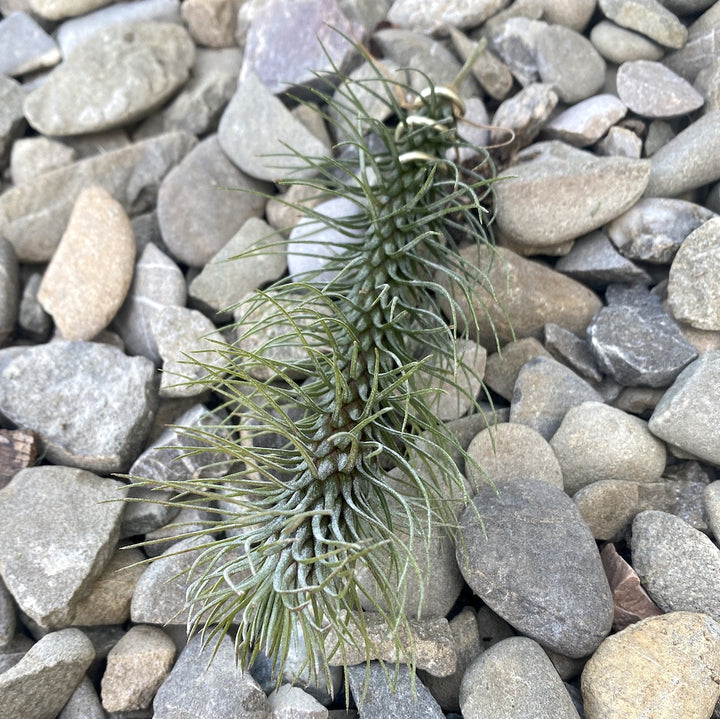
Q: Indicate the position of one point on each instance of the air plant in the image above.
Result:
(342, 463)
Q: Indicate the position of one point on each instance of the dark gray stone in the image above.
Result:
(653, 229)
(514, 678)
(679, 566)
(112, 396)
(41, 683)
(514, 40)
(200, 689)
(652, 90)
(568, 61)
(528, 554)
(639, 344)
(378, 699)
(688, 415)
(24, 46)
(544, 391)
(594, 261)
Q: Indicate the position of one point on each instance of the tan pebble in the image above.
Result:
(90, 273)
(663, 667)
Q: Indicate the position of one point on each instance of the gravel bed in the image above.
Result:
(591, 587)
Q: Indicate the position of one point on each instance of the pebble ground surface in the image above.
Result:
(591, 590)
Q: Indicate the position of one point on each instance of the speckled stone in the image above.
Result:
(648, 17)
(586, 122)
(652, 90)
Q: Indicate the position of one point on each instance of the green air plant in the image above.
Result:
(343, 466)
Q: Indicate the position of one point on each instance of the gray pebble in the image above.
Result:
(33, 156)
(430, 16)
(201, 102)
(188, 343)
(688, 416)
(568, 61)
(113, 398)
(678, 565)
(203, 201)
(558, 193)
(41, 683)
(514, 40)
(654, 228)
(502, 368)
(83, 704)
(198, 689)
(24, 46)
(544, 391)
(225, 281)
(689, 160)
(595, 261)
(378, 699)
(707, 83)
(289, 702)
(652, 90)
(699, 50)
(597, 442)
(256, 129)
(124, 72)
(694, 282)
(544, 296)
(647, 17)
(575, 14)
(8, 617)
(527, 553)
(620, 141)
(639, 344)
(157, 282)
(711, 500)
(76, 30)
(12, 119)
(34, 323)
(34, 215)
(9, 290)
(514, 678)
(75, 516)
(618, 44)
(585, 123)
(520, 118)
(511, 451)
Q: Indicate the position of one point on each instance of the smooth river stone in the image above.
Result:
(689, 160)
(648, 17)
(526, 296)
(90, 273)
(117, 76)
(679, 566)
(527, 553)
(557, 193)
(694, 283)
(652, 90)
(663, 667)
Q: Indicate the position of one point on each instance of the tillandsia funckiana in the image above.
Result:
(343, 466)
